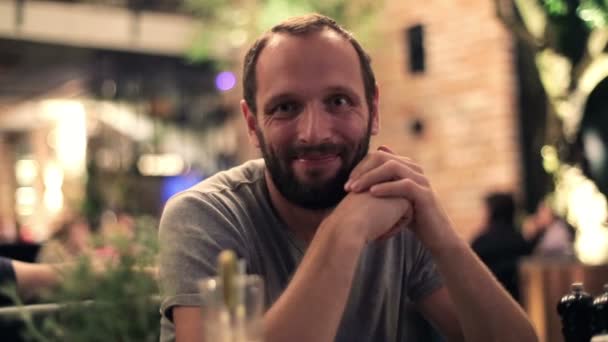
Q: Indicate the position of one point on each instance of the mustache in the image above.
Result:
(324, 148)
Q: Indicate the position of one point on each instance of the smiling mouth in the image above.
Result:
(316, 157)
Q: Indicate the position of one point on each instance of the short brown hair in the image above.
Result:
(298, 26)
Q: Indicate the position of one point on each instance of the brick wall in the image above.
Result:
(7, 198)
(465, 100)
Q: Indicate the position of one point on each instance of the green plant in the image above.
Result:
(225, 26)
(114, 300)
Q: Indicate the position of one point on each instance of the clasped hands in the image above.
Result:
(387, 193)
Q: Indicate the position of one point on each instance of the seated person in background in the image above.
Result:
(556, 235)
(341, 236)
(70, 241)
(29, 279)
(501, 244)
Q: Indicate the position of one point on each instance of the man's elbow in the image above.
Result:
(530, 335)
(523, 334)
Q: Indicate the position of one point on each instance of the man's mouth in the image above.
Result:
(317, 153)
(316, 157)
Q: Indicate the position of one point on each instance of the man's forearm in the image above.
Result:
(311, 307)
(485, 310)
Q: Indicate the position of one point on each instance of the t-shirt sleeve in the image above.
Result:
(194, 229)
(424, 278)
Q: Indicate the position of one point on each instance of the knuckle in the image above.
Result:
(407, 183)
(392, 165)
(425, 182)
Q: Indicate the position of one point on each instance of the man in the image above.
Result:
(343, 238)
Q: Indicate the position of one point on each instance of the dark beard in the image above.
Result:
(322, 195)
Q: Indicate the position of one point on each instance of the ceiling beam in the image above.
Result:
(97, 26)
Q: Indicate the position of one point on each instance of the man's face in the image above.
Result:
(313, 124)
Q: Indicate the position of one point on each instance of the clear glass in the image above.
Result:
(240, 323)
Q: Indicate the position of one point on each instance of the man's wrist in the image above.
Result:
(439, 238)
(344, 234)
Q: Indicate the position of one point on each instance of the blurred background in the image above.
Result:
(109, 107)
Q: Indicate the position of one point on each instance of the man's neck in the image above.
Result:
(302, 222)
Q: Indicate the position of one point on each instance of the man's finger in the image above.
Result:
(389, 171)
(385, 149)
(405, 188)
(371, 161)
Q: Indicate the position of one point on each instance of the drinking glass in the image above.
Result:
(239, 321)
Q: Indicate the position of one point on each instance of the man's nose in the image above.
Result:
(314, 125)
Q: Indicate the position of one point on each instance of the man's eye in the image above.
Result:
(286, 108)
(339, 101)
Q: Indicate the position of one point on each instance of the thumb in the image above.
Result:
(386, 149)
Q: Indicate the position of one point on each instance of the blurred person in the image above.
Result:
(30, 279)
(343, 237)
(556, 235)
(71, 240)
(501, 244)
(28, 282)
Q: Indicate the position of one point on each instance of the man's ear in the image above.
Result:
(251, 122)
(375, 113)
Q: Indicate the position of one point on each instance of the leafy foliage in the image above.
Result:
(112, 301)
(227, 25)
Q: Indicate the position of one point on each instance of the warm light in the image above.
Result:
(591, 247)
(53, 200)
(585, 208)
(25, 198)
(555, 73)
(53, 176)
(26, 171)
(70, 134)
(550, 158)
(25, 195)
(160, 164)
(53, 181)
(125, 120)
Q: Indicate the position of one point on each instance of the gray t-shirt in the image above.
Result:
(232, 210)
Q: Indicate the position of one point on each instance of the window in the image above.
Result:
(414, 36)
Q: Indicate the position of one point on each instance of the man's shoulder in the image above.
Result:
(237, 192)
(225, 198)
(245, 176)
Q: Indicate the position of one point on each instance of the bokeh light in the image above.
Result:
(225, 80)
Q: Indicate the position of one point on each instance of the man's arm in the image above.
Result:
(484, 309)
(187, 320)
(438, 308)
(311, 307)
(192, 233)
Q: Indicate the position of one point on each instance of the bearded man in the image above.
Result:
(342, 237)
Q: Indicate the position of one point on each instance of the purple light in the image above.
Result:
(225, 80)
